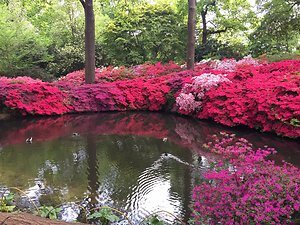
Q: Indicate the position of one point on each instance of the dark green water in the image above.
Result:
(138, 163)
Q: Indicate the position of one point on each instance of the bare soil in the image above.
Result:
(21, 218)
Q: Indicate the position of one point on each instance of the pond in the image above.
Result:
(138, 163)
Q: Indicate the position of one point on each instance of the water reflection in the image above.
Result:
(136, 162)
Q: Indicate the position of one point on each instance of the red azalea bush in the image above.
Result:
(35, 98)
(246, 188)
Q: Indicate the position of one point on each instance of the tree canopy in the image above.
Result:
(45, 38)
(279, 28)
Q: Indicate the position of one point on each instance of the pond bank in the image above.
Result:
(22, 218)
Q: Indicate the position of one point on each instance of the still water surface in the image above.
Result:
(138, 163)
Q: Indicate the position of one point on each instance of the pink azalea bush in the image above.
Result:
(232, 64)
(246, 187)
(190, 98)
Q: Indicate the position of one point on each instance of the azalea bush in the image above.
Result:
(232, 64)
(32, 97)
(246, 187)
(111, 74)
(265, 97)
(191, 97)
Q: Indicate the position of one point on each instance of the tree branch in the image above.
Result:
(212, 23)
(217, 31)
(82, 3)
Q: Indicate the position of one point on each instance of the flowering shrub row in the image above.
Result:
(266, 97)
(110, 74)
(247, 188)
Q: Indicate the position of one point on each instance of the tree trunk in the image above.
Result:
(89, 41)
(204, 28)
(191, 35)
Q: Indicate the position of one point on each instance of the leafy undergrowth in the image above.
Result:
(104, 215)
(258, 95)
(246, 188)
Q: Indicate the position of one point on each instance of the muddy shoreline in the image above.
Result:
(22, 218)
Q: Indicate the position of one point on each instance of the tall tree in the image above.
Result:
(224, 19)
(191, 35)
(279, 30)
(89, 41)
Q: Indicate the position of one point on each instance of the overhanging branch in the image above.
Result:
(217, 31)
(82, 3)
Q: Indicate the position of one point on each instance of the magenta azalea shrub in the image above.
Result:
(246, 187)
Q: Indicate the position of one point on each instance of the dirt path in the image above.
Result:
(29, 219)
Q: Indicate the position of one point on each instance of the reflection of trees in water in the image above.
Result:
(92, 170)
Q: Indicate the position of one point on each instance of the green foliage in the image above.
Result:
(104, 215)
(66, 59)
(6, 203)
(144, 33)
(281, 56)
(45, 39)
(224, 27)
(49, 212)
(41, 38)
(295, 122)
(218, 50)
(155, 221)
(61, 28)
(279, 30)
(21, 51)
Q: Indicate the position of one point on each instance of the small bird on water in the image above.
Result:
(165, 139)
(75, 134)
(29, 140)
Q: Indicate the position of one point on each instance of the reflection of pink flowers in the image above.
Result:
(247, 187)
